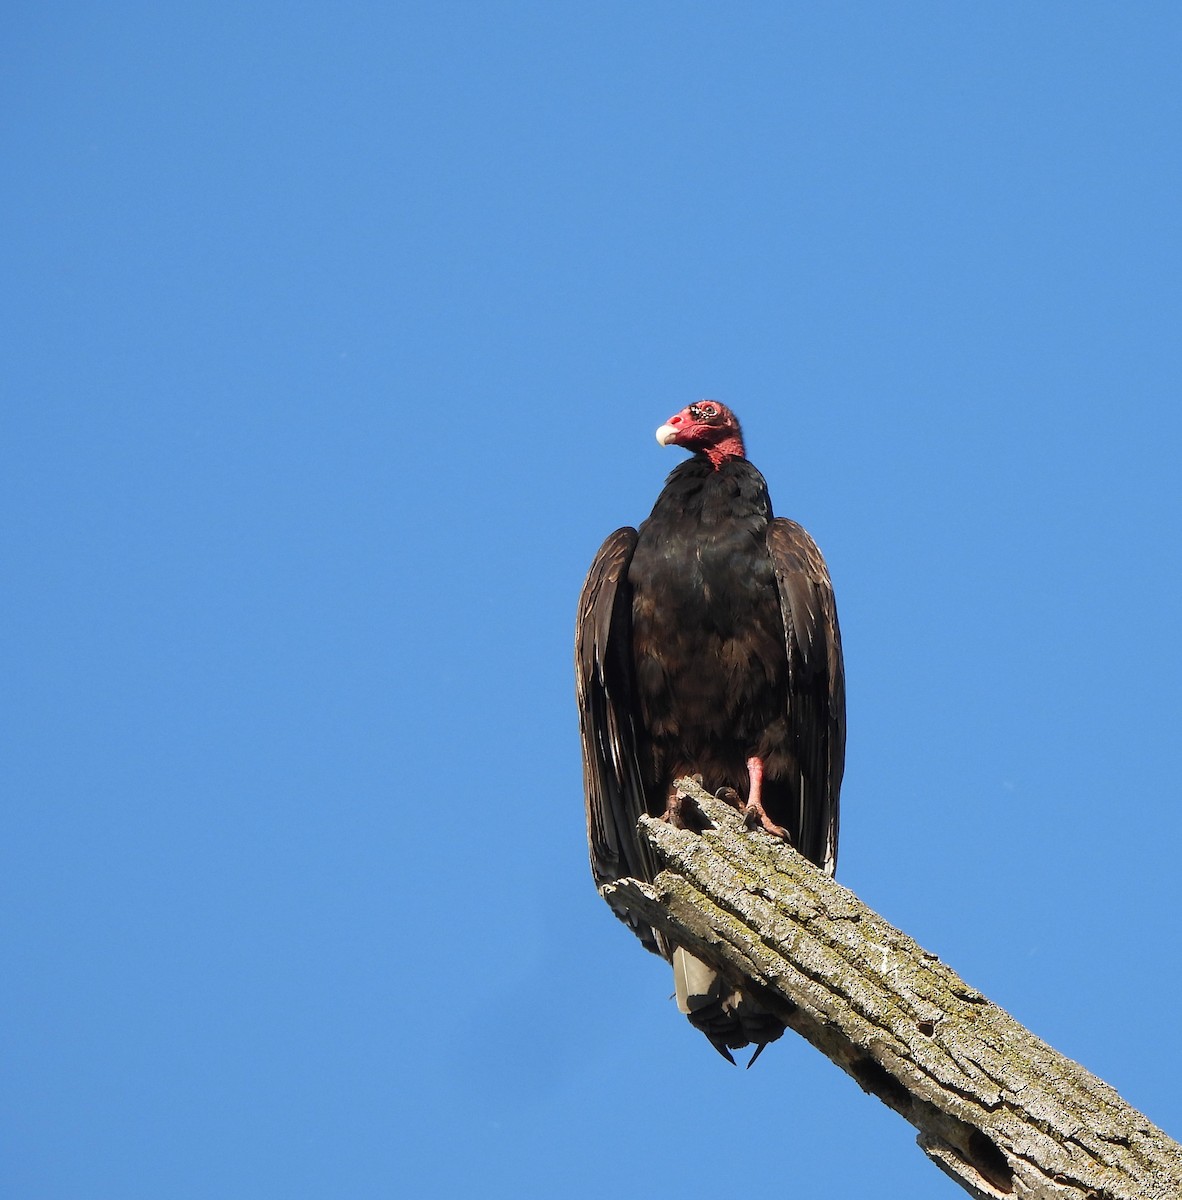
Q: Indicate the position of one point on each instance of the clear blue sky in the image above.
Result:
(334, 339)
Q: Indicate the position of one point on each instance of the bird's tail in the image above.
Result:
(727, 1015)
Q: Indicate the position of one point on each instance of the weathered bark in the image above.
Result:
(997, 1109)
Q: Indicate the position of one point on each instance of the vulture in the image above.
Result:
(707, 644)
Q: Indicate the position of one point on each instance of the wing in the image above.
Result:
(608, 720)
(816, 684)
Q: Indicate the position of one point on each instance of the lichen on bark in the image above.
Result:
(1001, 1112)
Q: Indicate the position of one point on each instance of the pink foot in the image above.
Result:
(674, 810)
(754, 815)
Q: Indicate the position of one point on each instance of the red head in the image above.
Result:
(706, 428)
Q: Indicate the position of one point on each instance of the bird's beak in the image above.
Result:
(666, 434)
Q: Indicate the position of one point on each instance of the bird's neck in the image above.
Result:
(731, 447)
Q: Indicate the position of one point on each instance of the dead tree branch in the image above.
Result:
(1000, 1111)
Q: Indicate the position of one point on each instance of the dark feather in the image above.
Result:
(816, 685)
(704, 639)
(612, 786)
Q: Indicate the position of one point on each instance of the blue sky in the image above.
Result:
(335, 339)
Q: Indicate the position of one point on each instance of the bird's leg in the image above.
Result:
(754, 814)
(674, 812)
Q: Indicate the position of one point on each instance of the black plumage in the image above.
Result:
(708, 643)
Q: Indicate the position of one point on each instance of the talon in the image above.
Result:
(673, 810)
(728, 795)
(672, 814)
(755, 818)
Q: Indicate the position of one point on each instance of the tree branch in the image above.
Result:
(998, 1110)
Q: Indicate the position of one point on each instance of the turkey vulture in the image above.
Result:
(707, 644)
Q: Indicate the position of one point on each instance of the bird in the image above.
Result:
(707, 644)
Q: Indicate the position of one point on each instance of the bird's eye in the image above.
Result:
(703, 412)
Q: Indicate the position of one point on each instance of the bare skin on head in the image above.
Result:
(708, 428)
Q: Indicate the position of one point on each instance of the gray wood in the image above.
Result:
(1000, 1111)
